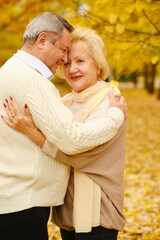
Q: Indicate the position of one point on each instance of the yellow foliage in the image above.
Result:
(69, 11)
(120, 28)
(124, 17)
(155, 59)
(109, 29)
(118, 22)
(129, 8)
(138, 6)
(114, 82)
(112, 18)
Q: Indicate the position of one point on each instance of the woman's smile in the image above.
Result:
(81, 71)
(77, 77)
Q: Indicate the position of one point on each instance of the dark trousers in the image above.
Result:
(98, 233)
(30, 224)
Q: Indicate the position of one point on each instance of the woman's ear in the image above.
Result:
(99, 71)
(41, 40)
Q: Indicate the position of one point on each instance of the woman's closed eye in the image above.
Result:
(68, 63)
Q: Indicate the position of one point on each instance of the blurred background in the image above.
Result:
(129, 28)
(131, 33)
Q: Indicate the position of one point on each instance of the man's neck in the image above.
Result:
(32, 59)
(31, 50)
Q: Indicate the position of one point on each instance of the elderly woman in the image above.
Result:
(93, 205)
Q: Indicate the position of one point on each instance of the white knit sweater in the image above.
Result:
(27, 176)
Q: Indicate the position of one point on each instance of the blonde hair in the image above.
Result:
(96, 47)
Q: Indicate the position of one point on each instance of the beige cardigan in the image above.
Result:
(28, 177)
(105, 165)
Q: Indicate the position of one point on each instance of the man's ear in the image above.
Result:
(41, 40)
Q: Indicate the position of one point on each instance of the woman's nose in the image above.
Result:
(73, 67)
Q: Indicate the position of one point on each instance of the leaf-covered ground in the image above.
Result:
(142, 169)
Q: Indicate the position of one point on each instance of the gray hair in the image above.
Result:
(45, 22)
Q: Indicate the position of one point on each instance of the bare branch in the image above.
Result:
(153, 24)
(122, 51)
(136, 41)
(144, 33)
(105, 21)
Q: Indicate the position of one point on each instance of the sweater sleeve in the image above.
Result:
(82, 160)
(56, 121)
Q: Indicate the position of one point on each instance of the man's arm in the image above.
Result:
(84, 159)
(56, 121)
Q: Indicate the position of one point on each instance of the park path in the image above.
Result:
(142, 168)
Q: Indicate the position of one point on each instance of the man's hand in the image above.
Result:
(121, 103)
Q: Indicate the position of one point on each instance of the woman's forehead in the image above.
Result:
(80, 46)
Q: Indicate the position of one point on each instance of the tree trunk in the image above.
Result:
(146, 76)
(158, 93)
(134, 75)
(151, 78)
(158, 90)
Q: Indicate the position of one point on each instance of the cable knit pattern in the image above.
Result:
(57, 123)
(27, 176)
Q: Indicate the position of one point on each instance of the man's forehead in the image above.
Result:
(65, 38)
(64, 44)
(67, 47)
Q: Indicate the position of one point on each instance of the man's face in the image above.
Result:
(55, 54)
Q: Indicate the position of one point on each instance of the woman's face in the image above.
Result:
(81, 71)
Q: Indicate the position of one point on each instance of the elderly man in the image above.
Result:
(30, 181)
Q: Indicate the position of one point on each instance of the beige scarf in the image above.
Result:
(87, 193)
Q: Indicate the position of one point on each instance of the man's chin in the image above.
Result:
(54, 69)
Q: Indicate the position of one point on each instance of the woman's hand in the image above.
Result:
(22, 123)
(121, 103)
(16, 120)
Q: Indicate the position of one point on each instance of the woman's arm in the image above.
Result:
(22, 123)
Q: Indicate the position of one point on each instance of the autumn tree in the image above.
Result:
(129, 28)
(15, 15)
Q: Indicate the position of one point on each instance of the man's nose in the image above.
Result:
(65, 58)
